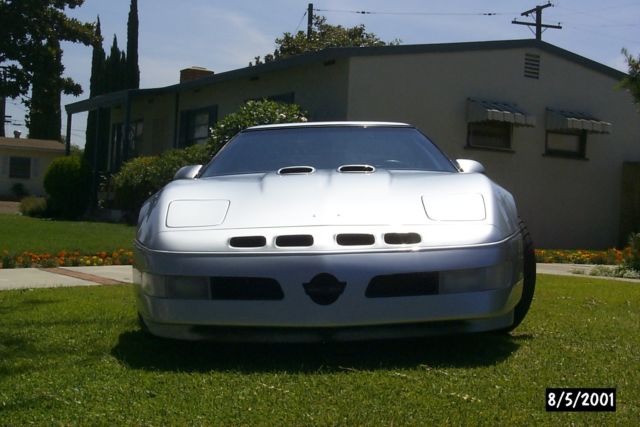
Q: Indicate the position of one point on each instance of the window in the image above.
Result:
(136, 129)
(195, 125)
(566, 144)
(20, 167)
(490, 134)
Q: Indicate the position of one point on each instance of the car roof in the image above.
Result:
(332, 124)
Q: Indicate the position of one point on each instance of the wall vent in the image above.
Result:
(532, 65)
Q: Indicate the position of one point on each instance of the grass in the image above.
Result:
(76, 356)
(21, 233)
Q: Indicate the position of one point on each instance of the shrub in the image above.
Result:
(34, 206)
(253, 113)
(19, 191)
(68, 183)
(632, 253)
(141, 177)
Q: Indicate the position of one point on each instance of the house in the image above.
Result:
(550, 126)
(23, 162)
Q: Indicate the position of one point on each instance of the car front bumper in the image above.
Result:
(492, 276)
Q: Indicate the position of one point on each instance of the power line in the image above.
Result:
(370, 12)
(301, 19)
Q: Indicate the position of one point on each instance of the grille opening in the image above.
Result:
(403, 285)
(248, 242)
(355, 239)
(245, 288)
(356, 168)
(402, 238)
(296, 170)
(532, 65)
(294, 240)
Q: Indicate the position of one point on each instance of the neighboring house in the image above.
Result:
(550, 126)
(24, 161)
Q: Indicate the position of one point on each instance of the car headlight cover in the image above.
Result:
(196, 213)
(454, 207)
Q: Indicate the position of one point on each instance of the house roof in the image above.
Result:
(31, 144)
(115, 98)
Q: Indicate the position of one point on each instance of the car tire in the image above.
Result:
(529, 279)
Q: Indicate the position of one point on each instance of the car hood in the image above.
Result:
(328, 198)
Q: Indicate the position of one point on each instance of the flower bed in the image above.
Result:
(66, 259)
(566, 256)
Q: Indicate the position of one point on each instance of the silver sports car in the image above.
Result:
(331, 231)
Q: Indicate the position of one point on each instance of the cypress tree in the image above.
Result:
(133, 70)
(97, 87)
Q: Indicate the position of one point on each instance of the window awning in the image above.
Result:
(482, 111)
(561, 120)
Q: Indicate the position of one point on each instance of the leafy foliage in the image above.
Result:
(253, 113)
(67, 183)
(141, 177)
(632, 81)
(31, 57)
(33, 206)
(133, 71)
(632, 255)
(323, 36)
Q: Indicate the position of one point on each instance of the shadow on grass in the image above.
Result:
(138, 350)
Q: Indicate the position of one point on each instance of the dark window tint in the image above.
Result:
(489, 134)
(400, 148)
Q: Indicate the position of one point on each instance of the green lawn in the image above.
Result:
(22, 233)
(76, 356)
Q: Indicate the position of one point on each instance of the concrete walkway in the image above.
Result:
(25, 278)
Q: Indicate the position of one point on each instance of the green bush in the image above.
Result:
(34, 206)
(632, 253)
(67, 181)
(253, 113)
(141, 177)
(19, 191)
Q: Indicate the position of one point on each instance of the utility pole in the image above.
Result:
(5, 118)
(309, 20)
(538, 24)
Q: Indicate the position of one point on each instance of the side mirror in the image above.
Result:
(470, 166)
(187, 172)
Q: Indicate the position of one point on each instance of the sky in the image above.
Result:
(225, 35)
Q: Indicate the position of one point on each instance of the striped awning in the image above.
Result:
(561, 120)
(482, 111)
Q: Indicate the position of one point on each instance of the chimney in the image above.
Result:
(194, 73)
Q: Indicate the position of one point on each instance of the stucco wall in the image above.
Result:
(40, 161)
(566, 202)
(320, 89)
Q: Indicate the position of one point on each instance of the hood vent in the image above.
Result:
(356, 169)
(296, 170)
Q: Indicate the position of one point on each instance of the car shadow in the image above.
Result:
(139, 350)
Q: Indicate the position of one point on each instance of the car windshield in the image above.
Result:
(328, 147)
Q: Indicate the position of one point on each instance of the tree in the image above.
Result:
(115, 68)
(31, 57)
(632, 81)
(97, 87)
(323, 36)
(133, 71)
